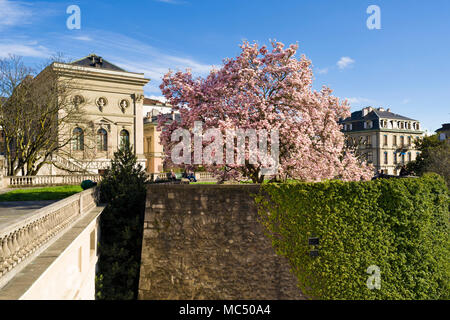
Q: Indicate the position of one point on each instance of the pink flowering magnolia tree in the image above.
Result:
(270, 90)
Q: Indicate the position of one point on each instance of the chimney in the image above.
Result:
(381, 109)
(388, 110)
(366, 111)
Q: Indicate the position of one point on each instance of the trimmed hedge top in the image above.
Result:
(400, 226)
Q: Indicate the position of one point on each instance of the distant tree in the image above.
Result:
(121, 225)
(267, 89)
(434, 157)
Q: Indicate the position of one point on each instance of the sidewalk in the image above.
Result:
(17, 210)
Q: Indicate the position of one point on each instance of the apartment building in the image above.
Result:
(382, 137)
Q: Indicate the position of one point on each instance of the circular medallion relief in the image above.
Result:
(101, 102)
(124, 104)
(78, 100)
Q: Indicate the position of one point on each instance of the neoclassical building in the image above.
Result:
(383, 138)
(112, 99)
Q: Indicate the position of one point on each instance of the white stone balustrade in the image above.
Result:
(205, 176)
(26, 181)
(200, 176)
(24, 239)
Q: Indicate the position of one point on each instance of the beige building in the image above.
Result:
(153, 150)
(113, 101)
(383, 138)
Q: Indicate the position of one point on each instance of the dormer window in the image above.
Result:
(368, 125)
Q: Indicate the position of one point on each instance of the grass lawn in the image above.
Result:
(37, 194)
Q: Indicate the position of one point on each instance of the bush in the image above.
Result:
(399, 225)
(121, 228)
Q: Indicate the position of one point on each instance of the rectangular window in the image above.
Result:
(403, 158)
(409, 140)
(395, 157)
(402, 141)
(369, 157)
(385, 158)
(385, 140)
(394, 142)
(409, 156)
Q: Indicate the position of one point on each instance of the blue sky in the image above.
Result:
(404, 66)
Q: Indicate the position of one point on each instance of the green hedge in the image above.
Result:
(399, 225)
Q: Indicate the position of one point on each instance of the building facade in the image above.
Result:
(112, 102)
(444, 132)
(382, 138)
(153, 150)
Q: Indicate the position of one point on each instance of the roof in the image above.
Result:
(375, 114)
(153, 102)
(445, 127)
(95, 61)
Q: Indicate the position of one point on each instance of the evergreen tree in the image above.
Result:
(121, 228)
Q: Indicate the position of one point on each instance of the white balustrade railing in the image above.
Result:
(22, 240)
(205, 176)
(27, 181)
(200, 176)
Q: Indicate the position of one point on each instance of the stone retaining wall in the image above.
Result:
(204, 242)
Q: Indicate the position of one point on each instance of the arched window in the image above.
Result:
(124, 138)
(102, 140)
(78, 139)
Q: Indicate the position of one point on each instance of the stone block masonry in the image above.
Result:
(205, 242)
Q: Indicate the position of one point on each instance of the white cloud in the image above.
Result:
(83, 38)
(345, 62)
(322, 71)
(136, 56)
(13, 13)
(25, 50)
(358, 100)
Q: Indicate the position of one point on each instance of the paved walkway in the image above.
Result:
(11, 212)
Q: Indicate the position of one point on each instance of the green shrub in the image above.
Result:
(121, 228)
(399, 225)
